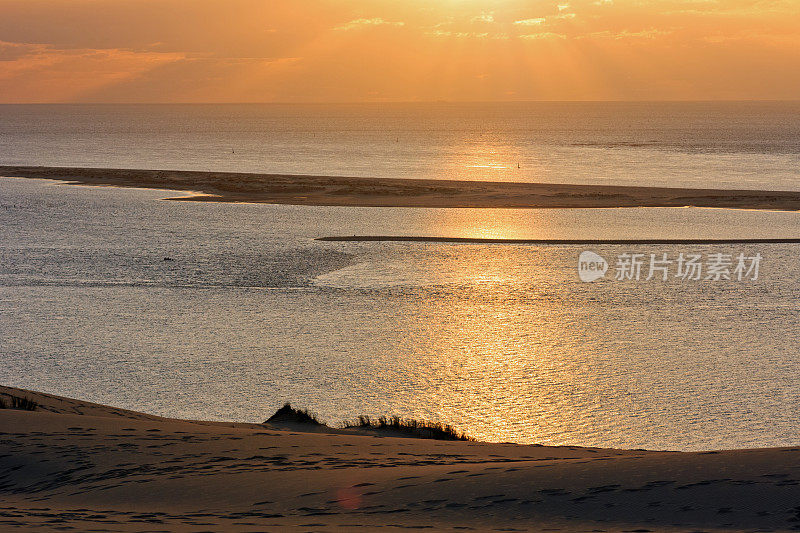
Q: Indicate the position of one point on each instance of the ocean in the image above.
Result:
(225, 311)
(754, 145)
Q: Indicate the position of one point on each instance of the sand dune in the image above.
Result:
(81, 466)
(377, 192)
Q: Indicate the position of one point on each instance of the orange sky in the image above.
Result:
(397, 50)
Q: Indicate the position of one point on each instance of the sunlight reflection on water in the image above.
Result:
(503, 341)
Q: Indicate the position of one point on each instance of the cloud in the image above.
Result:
(531, 22)
(234, 28)
(365, 23)
(651, 33)
(41, 73)
(467, 34)
(15, 51)
(487, 18)
(339, 50)
(543, 35)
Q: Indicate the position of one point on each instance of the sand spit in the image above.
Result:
(382, 192)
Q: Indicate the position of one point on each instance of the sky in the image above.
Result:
(397, 50)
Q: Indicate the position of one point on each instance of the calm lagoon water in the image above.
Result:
(503, 341)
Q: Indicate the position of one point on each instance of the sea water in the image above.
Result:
(733, 145)
(225, 311)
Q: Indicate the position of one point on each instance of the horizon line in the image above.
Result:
(400, 102)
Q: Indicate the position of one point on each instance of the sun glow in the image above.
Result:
(356, 50)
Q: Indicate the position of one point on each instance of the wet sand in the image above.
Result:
(73, 465)
(377, 192)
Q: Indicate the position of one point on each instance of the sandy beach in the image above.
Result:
(379, 192)
(73, 465)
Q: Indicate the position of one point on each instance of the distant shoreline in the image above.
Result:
(472, 240)
(388, 192)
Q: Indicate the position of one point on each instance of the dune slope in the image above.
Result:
(81, 466)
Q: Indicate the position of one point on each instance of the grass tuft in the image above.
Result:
(287, 413)
(420, 429)
(21, 404)
(414, 428)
